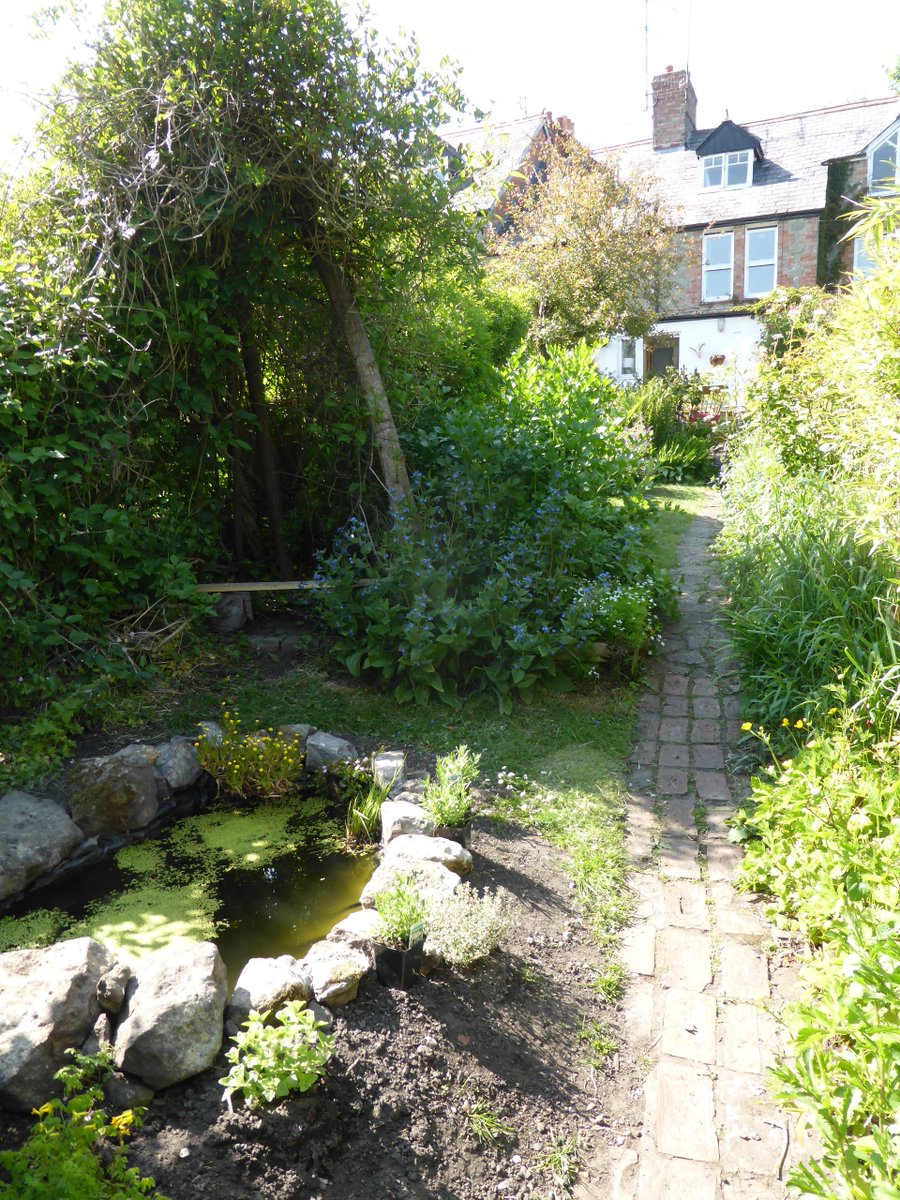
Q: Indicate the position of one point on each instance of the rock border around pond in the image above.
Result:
(165, 1016)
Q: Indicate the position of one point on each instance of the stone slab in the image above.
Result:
(689, 1026)
(723, 861)
(678, 859)
(746, 1038)
(673, 729)
(706, 731)
(675, 684)
(637, 950)
(707, 756)
(675, 706)
(745, 973)
(683, 959)
(672, 781)
(712, 785)
(674, 754)
(752, 1129)
(683, 1123)
(678, 816)
(707, 707)
(685, 904)
(638, 1012)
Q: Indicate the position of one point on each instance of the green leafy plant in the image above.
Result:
(270, 1061)
(75, 1151)
(520, 500)
(446, 797)
(485, 1124)
(264, 763)
(403, 912)
(466, 927)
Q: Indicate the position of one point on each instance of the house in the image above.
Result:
(500, 158)
(759, 206)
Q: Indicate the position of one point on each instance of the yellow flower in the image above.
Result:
(747, 725)
(798, 724)
(43, 1111)
(784, 722)
(832, 711)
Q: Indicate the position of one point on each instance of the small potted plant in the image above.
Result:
(447, 798)
(398, 950)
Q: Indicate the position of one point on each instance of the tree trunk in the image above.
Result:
(252, 361)
(384, 431)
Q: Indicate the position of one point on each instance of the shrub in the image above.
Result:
(403, 912)
(262, 763)
(269, 1061)
(685, 423)
(520, 502)
(467, 926)
(446, 797)
(75, 1151)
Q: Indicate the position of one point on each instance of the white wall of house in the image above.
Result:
(698, 341)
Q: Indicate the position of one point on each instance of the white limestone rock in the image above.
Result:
(335, 971)
(267, 984)
(412, 848)
(401, 816)
(35, 836)
(323, 749)
(434, 881)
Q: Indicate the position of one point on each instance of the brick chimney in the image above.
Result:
(674, 109)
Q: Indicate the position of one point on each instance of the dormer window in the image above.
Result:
(884, 164)
(732, 170)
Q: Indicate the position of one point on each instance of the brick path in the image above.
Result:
(696, 1007)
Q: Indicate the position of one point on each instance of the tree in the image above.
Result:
(591, 246)
(198, 115)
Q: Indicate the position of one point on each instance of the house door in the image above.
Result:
(660, 353)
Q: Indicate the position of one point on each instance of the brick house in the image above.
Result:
(758, 206)
(503, 156)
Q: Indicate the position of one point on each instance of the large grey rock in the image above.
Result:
(171, 1025)
(233, 611)
(138, 752)
(110, 795)
(322, 749)
(434, 881)
(411, 848)
(211, 731)
(267, 984)
(122, 1092)
(177, 763)
(335, 971)
(302, 733)
(48, 1002)
(401, 816)
(35, 835)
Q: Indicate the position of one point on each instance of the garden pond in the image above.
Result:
(258, 880)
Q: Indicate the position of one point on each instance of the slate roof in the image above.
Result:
(499, 149)
(792, 176)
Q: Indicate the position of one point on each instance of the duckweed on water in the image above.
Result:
(167, 888)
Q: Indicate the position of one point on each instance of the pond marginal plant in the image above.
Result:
(264, 763)
(403, 912)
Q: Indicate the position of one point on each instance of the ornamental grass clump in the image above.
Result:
(264, 763)
(467, 927)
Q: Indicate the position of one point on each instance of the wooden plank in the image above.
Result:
(284, 585)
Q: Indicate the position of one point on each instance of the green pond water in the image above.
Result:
(259, 880)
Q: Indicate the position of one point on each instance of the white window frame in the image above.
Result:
(892, 135)
(729, 233)
(760, 262)
(725, 161)
(623, 369)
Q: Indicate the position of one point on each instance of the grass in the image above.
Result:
(559, 1160)
(485, 1124)
(682, 502)
(601, 1045)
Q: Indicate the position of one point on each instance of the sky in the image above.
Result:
(588, 61)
